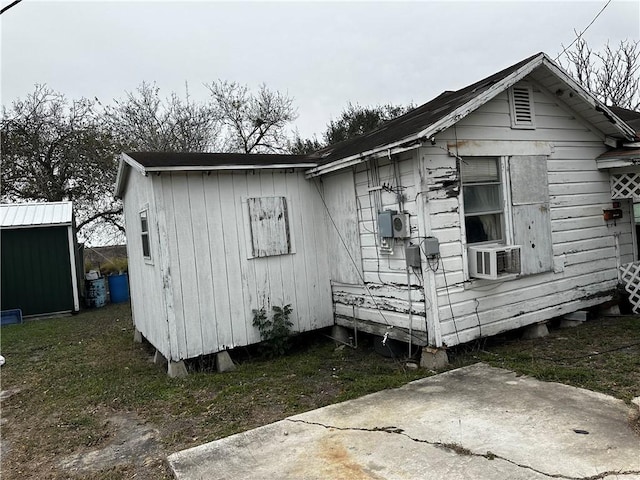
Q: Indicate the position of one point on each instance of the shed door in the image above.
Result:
(36, 270)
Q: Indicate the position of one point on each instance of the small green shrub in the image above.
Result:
(274, 332)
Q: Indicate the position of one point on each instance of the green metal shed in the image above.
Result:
(39, 258)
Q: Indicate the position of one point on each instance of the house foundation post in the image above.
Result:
(224, 362)
(537, 330)
(176, 369)
(433, 358)
(340, 335)
(137, 336)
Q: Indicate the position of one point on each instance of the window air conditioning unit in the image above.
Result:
(494, 261)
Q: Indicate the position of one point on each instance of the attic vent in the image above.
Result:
(521, 103)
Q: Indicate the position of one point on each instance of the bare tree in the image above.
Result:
(252, 122)
(611, 74)
(145, 122)
(54, 150)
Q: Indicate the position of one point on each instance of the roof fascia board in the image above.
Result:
(131, 161)
(123, 172)
(443, 123)
(201, 168)
(620, 125)
(606, 163)
(316, 172)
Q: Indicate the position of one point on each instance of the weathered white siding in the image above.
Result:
(146, 280)
(582, 255)
(385, 300)
(215, 281)
(586, 248)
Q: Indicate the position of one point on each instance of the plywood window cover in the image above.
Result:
(521, 105)
(269, 226)
(625, 185)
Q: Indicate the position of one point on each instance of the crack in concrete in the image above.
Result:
(460, 450)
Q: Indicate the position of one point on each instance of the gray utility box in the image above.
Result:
(392, 224)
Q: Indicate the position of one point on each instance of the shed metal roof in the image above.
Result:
(22, 215)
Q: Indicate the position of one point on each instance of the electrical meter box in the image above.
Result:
(385, 223)
(431, 247)
(401, 225)
(412, 255)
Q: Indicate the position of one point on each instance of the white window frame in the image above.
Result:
(507, 222)
(505, 194)
(149, 257)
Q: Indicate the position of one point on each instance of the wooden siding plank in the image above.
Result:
(174, 266)
(186, 258)
(298, 276)
(226, 287)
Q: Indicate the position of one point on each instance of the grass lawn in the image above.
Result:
(79, 384)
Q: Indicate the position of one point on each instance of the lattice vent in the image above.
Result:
(630, 276)
(625, 185)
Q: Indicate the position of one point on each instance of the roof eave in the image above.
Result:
(442, 124)
(623, 128)
(455, 116)
(211, 168)
(123, 171)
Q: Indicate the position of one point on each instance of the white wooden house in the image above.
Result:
(487, 209)
(501, 188)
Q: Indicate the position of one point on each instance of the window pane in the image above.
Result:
(143, 221)
(481, 198)
(146, 251)
(483, 228)
(479, 169)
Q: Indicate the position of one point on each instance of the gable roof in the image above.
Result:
(24, 215)
(422, 123)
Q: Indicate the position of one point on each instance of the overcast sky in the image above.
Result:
(323, 54)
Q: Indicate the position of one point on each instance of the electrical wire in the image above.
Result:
(344, 244)
(583, 32)
(12, 4)
(446, 285)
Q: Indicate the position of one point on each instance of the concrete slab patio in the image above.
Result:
(476, 422)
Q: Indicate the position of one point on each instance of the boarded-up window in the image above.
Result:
(531, 215)
(269, 224)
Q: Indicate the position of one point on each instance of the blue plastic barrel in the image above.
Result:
(96, 293)
(119, 288)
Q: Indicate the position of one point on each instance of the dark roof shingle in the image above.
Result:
(415, 120)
